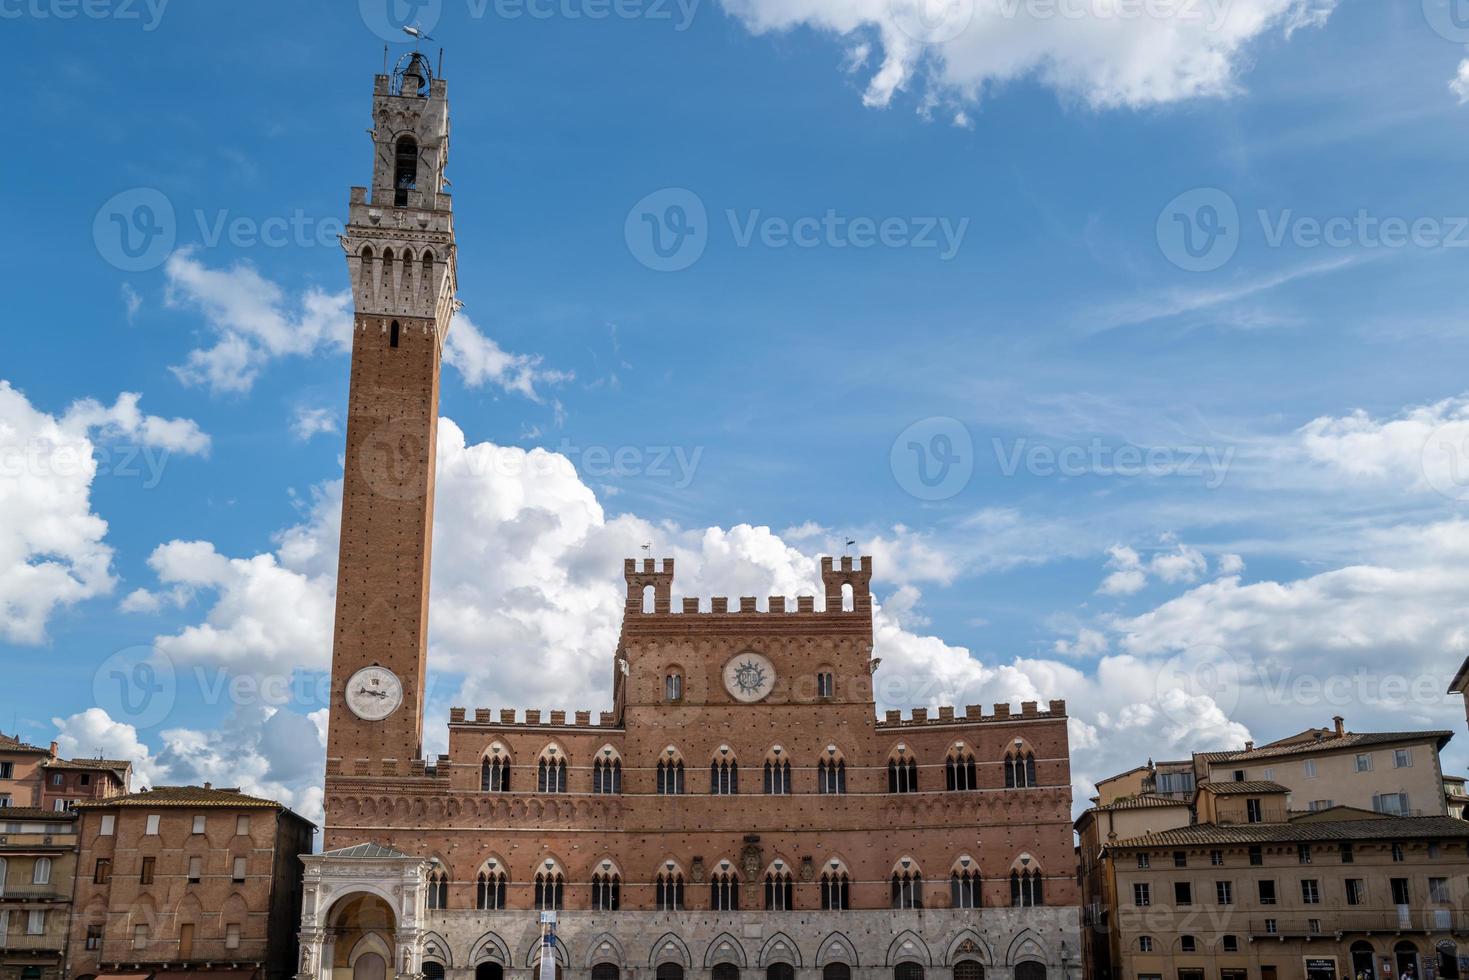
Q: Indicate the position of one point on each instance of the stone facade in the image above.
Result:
(188, 878)
(742, 806)
(37, 864)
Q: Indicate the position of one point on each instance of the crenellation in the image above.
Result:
(747, 604)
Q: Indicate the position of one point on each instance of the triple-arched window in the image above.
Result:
(607, 772)
(670, 773)
(902, 772)
(490, 887)
(606, 888)
(777, 774)
(724, 889)
(1025, 887)
(550, 887)
(836, 887)
(907, 885)
(1019, 768)
(724, 774)
(780, 888)
(670, 888)
(551, 771)
(965, 890)
(959, 770)
(494, 771)
(831, 775)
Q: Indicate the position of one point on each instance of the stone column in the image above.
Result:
(409, 958)
(328, 957)
(309, 964)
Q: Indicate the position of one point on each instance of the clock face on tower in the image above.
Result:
(749, 677)
(373, 693)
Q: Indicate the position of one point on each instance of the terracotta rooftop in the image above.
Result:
(1141, 802)
(34, 813)
(1329, 741)
(1246, 787)
(1388, 828)
(191, 796)
(9, 744)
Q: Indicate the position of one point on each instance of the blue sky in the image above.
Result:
(1291, 506)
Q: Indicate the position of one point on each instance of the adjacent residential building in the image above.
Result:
(37, 864)
(1456, 798)
(31, 776)
(1342, 892)
(187, 878)
(1388, 772)
(1460, 684)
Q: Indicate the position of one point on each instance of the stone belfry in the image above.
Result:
(400, 255)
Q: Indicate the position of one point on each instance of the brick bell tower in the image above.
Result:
(400, 255)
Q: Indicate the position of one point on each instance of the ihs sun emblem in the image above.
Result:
(749, 677)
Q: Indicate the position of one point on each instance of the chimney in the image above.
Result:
(54, 749)
(1250, 746)
(1341, 725)
(208, 785)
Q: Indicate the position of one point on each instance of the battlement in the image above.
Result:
(973, 713)
(655, 577)
(534, 718)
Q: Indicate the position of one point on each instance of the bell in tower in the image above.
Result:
(416, 77)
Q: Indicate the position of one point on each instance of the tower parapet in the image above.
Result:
(657, 575)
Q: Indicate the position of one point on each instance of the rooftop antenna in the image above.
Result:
(385, 59)
(440, 72)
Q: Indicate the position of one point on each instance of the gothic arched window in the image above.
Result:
(670, 889)
(551, 772)
(724, 891)
(965, 884)
(1019, 768)
(606, 890)
(494, 771)
(831, 776)
(724, 777)
(490, 887)
(670, 776)
(780, 889)
(607, 773)
(902, 773)
(959, 770)
(1025, 888)
(550, 888)
(438, 889)
(835, 888)
(907, 885)
(777, 777)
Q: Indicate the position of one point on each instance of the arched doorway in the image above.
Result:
(1448, 960)
(670, 971)
(780, 971)
(432, 970)
(605, 971)
(908, 971)
(726, 971)
(489, 970)
(836, 971)
(1030, 970)
(968, 970)
(370, 966)
(1406, 955)
(363, 927)
(1364, 966)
